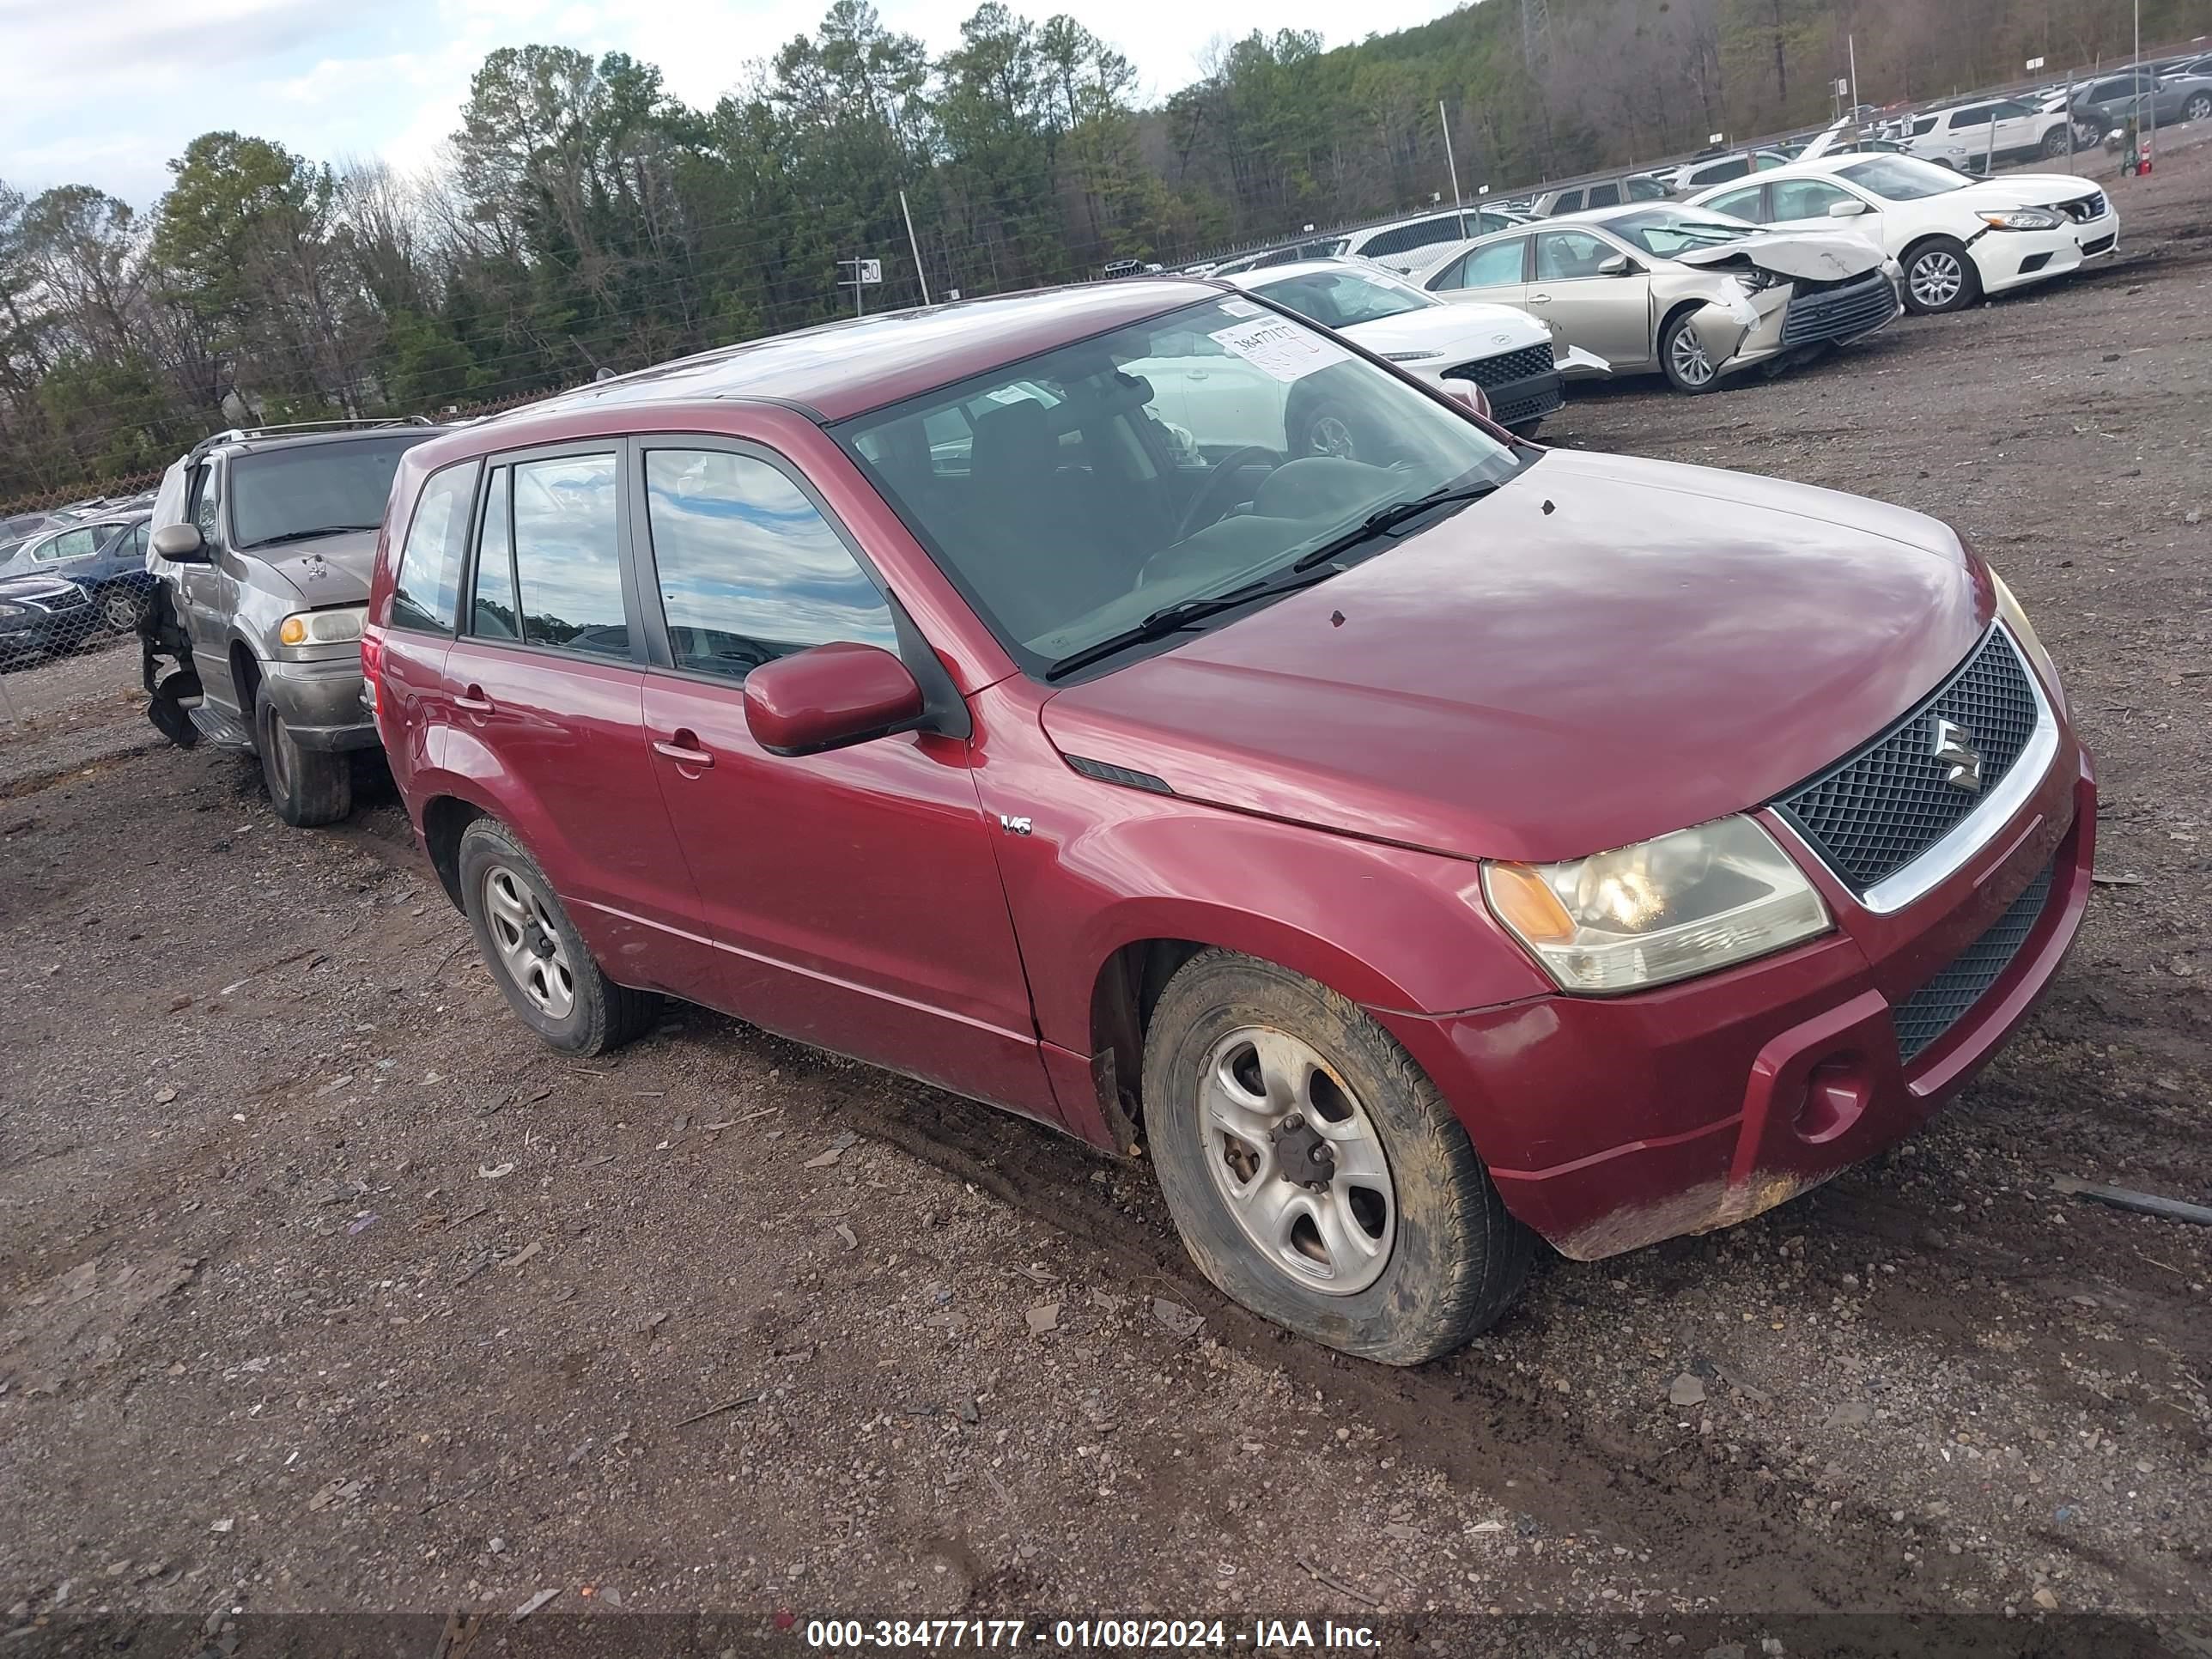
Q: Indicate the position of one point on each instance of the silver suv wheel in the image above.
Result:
(528, 943)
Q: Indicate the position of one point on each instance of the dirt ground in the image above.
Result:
(323, 1286)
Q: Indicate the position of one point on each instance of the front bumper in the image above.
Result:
(1610, 1124)
(2013, 258)
(1741, 333)
(321, 702)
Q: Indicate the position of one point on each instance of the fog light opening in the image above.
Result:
(1836, 1092)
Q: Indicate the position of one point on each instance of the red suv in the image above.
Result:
(1429, 843)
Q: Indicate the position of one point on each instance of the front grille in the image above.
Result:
(2082, 208)
(1500, 371)
(1938, 1006)
(2095, 245)
(1877, 810)
(1838, 312)
(68, 599)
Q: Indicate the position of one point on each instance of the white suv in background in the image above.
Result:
(1972, 136)
(1957, 239)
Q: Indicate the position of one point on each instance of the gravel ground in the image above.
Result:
(323, 1287)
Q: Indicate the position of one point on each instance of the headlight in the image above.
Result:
(1754, 280)
(1409, 356)
(1681, 904)
(2009, 612)
(333, 627)
(2022, 219)
(14, 611)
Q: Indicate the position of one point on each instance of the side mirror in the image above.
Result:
(1849, 209)
(830, 696)
(180, 544)
(1615, 264)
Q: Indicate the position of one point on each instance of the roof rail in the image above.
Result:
(240, 433)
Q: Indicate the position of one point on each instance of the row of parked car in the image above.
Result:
(1142, 708)
(70, 576)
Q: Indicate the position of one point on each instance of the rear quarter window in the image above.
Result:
(428, 586)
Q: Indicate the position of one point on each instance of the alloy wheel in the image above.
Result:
(120, 612)
(1296, 1161)
(2197, 107)
(1937, 276)
(528, 943)
(1687, 356)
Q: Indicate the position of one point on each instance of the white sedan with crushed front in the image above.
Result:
(1957, 239)
(1503, 352)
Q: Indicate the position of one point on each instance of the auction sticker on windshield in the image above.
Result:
(1281, 349)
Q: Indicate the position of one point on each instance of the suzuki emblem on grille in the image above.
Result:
(1953, 746)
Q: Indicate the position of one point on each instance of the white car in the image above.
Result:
(1957, 239)
(1972, 136)
(1506, 351)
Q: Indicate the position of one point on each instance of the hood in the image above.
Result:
(334, 570)
(35, 589)
(1826, 255)
(1668, 645)
(1470, 330)
(2026, 189)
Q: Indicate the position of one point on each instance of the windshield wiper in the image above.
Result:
(1388, 518)
(1170, 618)
(305, 535)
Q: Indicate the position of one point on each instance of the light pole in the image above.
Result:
(1444, 120)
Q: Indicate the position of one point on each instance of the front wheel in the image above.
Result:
(2198, 106)
(307, 787)
(1314, 1172)
(1689, 366)
(1939, 277)
(120, 608)
(541, 963)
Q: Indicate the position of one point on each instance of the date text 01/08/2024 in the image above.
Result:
(1260, 1636)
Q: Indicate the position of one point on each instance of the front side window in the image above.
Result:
(748, 569)
(313, 489)
(567, 555)
(207, 505)
(1903, 178)
(1807, 198)
(1142, 487)
(428, 586)
(1737, 204)
(1564, 254)
(1646, 189)
(1338, 299)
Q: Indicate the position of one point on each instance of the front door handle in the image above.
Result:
(474, 700)
(1539, 299)
(683, 749)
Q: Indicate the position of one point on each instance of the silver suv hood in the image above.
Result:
(333, 570)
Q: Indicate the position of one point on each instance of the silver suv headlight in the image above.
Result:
(1663, 909)
(337, 626)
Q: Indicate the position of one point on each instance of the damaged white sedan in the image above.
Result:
(1697, 297)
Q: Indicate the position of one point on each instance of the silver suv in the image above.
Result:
(261, 549)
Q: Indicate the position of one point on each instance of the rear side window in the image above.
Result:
(1737, 204)
(567, 555)
(1489, 267)
(748, 569)
(1605, 196)
(429, 583)
(1571, 201)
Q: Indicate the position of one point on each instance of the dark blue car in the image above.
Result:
(106, 556)
(42, 617)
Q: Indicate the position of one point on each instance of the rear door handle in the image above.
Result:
(683, 749)
(474, 700)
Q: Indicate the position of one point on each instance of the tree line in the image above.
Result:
(585, 220)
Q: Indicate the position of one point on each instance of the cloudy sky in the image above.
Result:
(103, 92)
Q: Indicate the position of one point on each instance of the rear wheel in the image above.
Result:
(2055, 141)
(1689, 366)
(1314, 1172)
(307, 787)
(120, 609)
(2198, 106)
(542, 965)
(1939, 275)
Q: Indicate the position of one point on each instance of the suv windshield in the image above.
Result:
(1338, 299)
(314, 488)
(1662, 232)
(1903, 178)
(1092, 491)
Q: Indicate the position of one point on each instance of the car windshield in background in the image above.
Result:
(1338, 299)
(1903, 178)
(1099, 489)
(1662, 232)
(313, 489)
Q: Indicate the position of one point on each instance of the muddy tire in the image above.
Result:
(1939, 276)
(307, 787)
(1401, 1250)
(1682, 355)
(537, 957)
